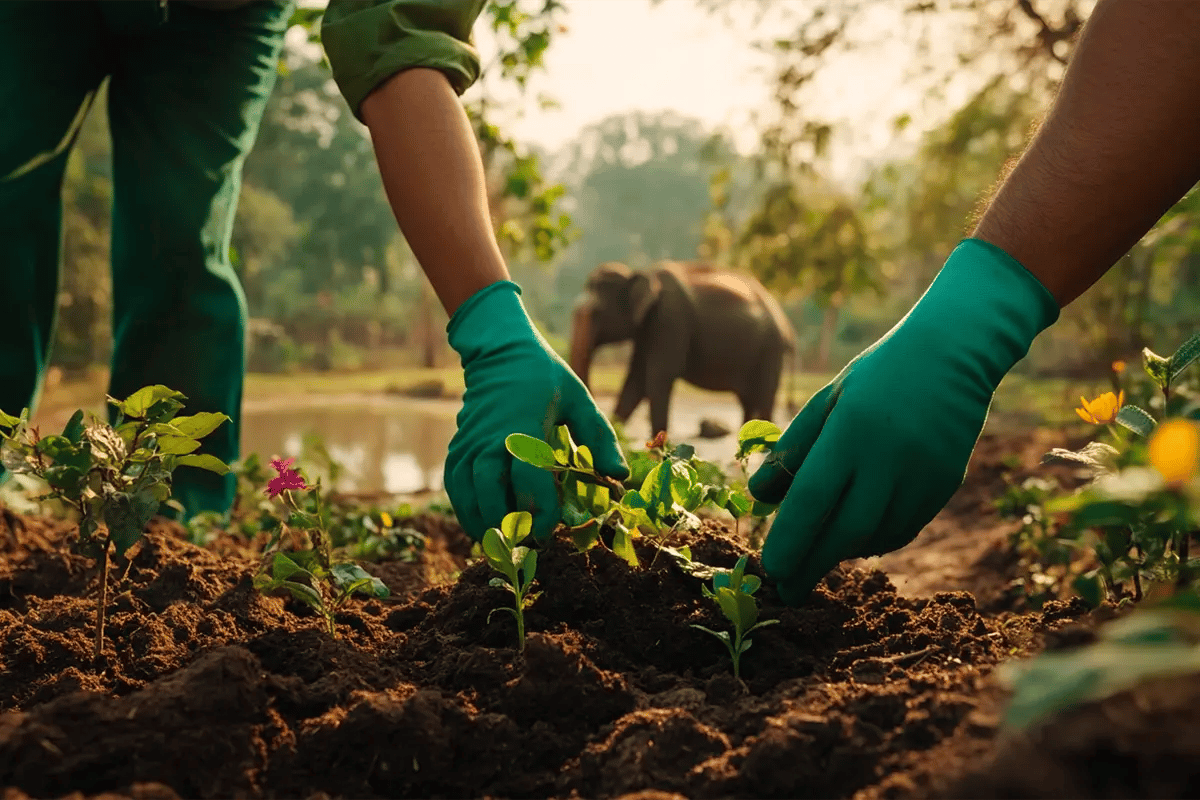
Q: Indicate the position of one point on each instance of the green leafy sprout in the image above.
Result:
(312, 575)
(516, 564)
(733, 590)
(673, 486)
(115, 477)
(1138, 528)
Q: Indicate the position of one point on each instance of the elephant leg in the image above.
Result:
(758, 398)
(633, 391)
(660, 404)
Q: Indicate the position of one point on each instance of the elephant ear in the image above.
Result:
(644, 291)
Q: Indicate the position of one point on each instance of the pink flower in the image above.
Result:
(288, 478)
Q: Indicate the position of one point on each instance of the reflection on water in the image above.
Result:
(399, 444)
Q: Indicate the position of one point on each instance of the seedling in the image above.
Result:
(669, 494)
(1141, 507)
(517, 564)
(311, 575)
(733, 591)
(115, 477)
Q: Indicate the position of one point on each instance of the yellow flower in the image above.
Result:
(1175, 450)
(1103, 409)
(385, 518)
(1118, 367)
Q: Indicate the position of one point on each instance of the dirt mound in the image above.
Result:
(210, 690)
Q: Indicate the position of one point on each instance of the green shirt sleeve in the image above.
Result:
(369, 41)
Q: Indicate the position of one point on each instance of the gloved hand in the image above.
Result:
(515, 383)
(876, 454)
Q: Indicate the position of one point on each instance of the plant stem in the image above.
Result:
(1137, 574)
(1182, 551)
(102, 602)
(520, 627)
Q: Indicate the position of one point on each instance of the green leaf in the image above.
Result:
(564, 447)
(623, 544)
(583, 458)
(739, 504)
(516, 526)
(73, 431)
(757, 435)
(163, 410)
(747, 611)
(1142, 646)
(203, 461)
(176, 445)
(126, 516)
(592, 497)
(531, 451)
(1188, 352)
(498, 552)
(1106, 513)
(727, 601)
(586, 537)
(8, 420)
(139, 403)
(528, 567)
(1136, 420)
(722, 635)
(346, 573)
(65, 478)
(751, 584)
(572, 514)
(65, 453)
(284, 567)
(197, 426)
(683, 452)
(1157, 367)
(745, 645)
(302, 592)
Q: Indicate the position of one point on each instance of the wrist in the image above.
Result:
(986, 303)
(491, 318)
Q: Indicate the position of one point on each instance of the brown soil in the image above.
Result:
(210, 690)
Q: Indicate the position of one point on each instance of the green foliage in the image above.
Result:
(117, 476)
(516, 564)
(674, 484)
(1149, 643)
(313, 581)
(314, 575)
(1137, 525)
(733, 591)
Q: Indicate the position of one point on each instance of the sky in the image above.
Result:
(624, 55)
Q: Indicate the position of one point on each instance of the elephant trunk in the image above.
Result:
(582, 342)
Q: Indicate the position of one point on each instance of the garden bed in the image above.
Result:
(211, 690)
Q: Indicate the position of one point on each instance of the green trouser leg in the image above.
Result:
(185, 101)
(51, 64)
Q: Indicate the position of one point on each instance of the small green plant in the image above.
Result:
(733, 591)
(1140, 510)
(516, 564)
(115, 477)
(311, 575)
(674, 484)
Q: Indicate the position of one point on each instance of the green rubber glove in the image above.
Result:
(876, 454)
(515, 383)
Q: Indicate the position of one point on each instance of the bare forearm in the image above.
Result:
(434, 180)
(1120, 146)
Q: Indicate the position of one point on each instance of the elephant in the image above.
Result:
(716, 329)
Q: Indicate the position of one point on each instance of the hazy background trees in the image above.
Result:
(847, 231)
